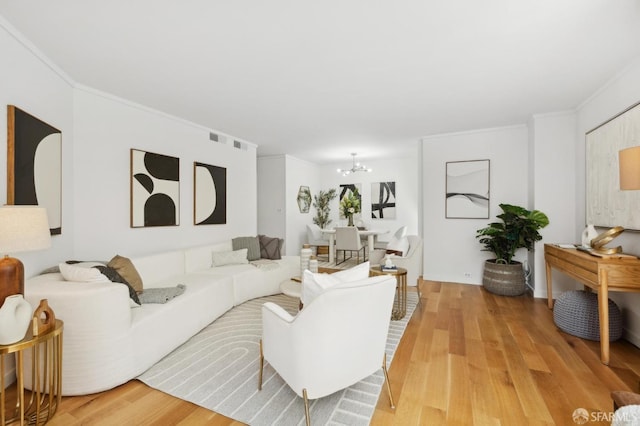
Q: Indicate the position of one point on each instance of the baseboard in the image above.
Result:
(631, 337)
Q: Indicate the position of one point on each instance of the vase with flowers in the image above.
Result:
(350, 205)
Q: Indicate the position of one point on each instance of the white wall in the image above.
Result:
(279, 180)
(403, 171)
(106, 129)
(552, 184)
(619, 94)
(41, 90)
(299, 173)
(451, 251)
(272, 214)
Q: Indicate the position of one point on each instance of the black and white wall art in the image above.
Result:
(209, 194)
(155, 189)
(34, 165)
(383, 200)
(467, 189)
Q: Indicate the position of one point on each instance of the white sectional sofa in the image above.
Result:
(107, 342)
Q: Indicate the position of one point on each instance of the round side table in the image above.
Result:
(46, 359)
(400, 303)
(291, 288)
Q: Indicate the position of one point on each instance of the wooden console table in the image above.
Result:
(602, 274)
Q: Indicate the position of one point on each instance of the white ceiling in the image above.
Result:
(320, 79)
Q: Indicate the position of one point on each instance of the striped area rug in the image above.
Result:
(218, 369)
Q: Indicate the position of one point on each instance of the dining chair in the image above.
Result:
(348, 240)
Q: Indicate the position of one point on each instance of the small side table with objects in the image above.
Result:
(44, 341)
(400, 303)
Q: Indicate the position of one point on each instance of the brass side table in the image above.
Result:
(400, 303)
(46, 385)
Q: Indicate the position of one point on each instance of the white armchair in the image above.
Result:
(316, 238)
(412, 261)
(333, 342)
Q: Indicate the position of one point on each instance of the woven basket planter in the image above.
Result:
(504, 279)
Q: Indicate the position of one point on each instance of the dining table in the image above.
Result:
(371, 234)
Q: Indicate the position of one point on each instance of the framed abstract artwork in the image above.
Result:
(209, 194)
(34, 165)
(155, 189)
(383, 200)
(467, 189)
(607, 205)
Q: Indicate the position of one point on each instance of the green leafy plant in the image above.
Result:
(350, 203)
(518, 229)
(321, 203)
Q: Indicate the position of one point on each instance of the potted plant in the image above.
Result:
(518, 229)
(350, 205)
(321, 203)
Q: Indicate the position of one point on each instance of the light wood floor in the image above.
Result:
(467, 357)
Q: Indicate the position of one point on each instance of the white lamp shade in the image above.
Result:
(23, 228)
(629, 162)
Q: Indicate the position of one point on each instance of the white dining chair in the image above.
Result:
(348, 240)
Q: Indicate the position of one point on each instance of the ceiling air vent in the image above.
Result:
(217, 138)
(240, 145)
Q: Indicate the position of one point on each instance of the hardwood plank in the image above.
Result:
(467, 357)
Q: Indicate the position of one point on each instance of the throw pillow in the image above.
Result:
(270, 247)
(250, 243)
(399, 246)
(358, 272)
(314, 284)
(81, 274)
(161, 295)
(236, 257)
(115, 277)
(125, 268)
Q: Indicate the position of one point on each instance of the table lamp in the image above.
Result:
(629, 160)
(22, 228)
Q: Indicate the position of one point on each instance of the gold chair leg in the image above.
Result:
(386, 379)
(261, 367)
(306, 407)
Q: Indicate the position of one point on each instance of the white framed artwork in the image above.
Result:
(467, 189)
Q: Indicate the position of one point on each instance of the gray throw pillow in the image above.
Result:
(270, 248)
(250, 243)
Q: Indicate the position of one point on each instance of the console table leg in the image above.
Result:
(603, 310)
(549, 286)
